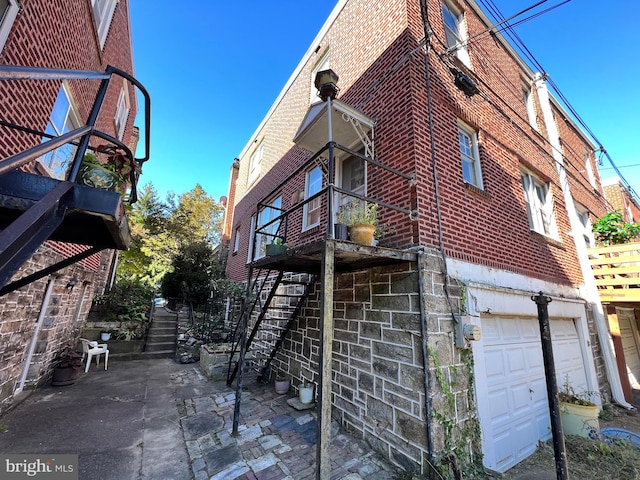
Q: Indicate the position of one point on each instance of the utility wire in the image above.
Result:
(508, 29)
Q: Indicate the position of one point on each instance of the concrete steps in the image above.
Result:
(161, 338)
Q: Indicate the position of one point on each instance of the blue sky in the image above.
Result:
(213, 69)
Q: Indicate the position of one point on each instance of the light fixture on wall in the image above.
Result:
(71, 283)
(325, 82)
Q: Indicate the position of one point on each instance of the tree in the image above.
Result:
(196, 218)
(190, 280)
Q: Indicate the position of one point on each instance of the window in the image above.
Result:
(8, 12)
(236, 241)
(313, 184)
(122, 111)
(527, 97)
(353, 177)
(585, 225)
(455, 33)
(468, 140)
(102, 13)
(323, 64)
(266, 235)
(255, 164)
(539, 202)
(64, 118)
(588, 168)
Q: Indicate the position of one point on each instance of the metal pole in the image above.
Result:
(559, 449)
(330, 174)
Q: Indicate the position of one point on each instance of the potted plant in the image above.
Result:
(106, 168)
(579, 414)
(277, 247)
(305, 392)
(282, 384)
(611, 229)
(67, 366)
(361, 218)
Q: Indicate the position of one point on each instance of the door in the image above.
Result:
(513, 404)
(629, 337)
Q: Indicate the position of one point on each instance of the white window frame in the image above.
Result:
(311, 187)
(323, 64)
(255, 164)
(102, 16)
(539, 200)
(122, 111)
(469, 155)
(68, 120)
(265, 215)
(236, 240)
(585, 225)
(455, 38)
(6, 21)
(527, 98)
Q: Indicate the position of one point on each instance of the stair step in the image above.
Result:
(142, 355)
(163, 346)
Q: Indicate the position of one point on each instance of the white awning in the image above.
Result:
(351, 128)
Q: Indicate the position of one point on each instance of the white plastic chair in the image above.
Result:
(91, 349)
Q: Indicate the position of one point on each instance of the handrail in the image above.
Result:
(14, 72)
(29, 155)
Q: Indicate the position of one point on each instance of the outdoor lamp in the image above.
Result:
(71, 283)
(325, 82)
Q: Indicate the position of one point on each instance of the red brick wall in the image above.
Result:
(55, 34)
(386, 81)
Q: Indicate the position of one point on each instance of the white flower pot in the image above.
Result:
(305, 394)
(104, 336)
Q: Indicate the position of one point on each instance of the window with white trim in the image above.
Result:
(455, 32)
(539, 200)
(323, 64)
(64, 118)
(255, 163)
(527, 98)
(313, 184)
(585, 225)
(236, 241)
(468, 144)
(122, 111)
(102, 14)
(267, 234)
(8, 13)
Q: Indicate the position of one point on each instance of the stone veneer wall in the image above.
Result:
(378, 377)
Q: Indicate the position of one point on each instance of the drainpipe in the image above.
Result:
(34, 337)
(591, 290)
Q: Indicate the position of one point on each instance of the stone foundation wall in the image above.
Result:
(378, 376)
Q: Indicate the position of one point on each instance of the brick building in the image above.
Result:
(485, 188)
(38, 319)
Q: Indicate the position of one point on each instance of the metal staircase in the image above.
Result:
(35, 208)
(275, 302)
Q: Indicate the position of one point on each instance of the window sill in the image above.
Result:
(310, 231)
(546, 239)
(477, 190)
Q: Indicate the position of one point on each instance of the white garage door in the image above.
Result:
(515, 414)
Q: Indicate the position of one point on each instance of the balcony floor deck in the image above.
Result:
(349, 257)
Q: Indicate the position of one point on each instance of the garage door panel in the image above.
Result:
(518, 412)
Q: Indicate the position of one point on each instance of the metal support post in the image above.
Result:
(559, 449)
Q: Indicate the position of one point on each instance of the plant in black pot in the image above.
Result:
(67, 366)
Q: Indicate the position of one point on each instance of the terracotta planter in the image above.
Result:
(362, 234)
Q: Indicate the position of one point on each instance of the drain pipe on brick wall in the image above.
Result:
(592, 294)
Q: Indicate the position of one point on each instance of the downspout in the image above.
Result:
(34, 337)
(591, 290)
